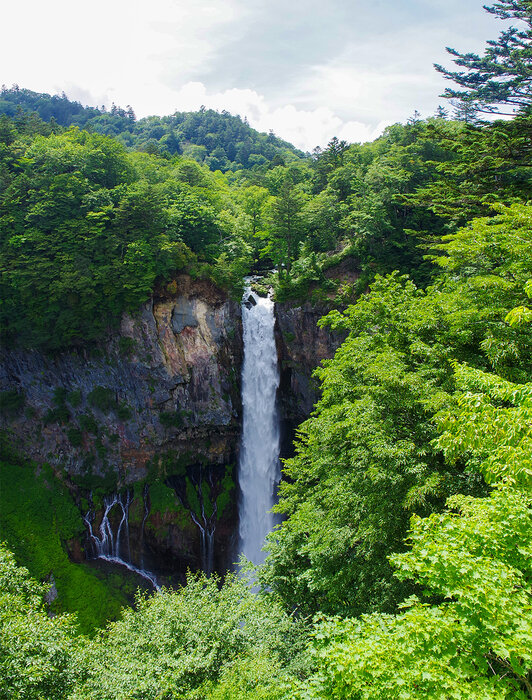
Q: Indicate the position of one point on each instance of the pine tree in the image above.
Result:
(500, 81)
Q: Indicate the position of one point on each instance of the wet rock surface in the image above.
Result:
(156, 410)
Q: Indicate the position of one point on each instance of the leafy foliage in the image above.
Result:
(202, 641)
(474, 558)
(35, 649)
(176, 643)
(86, 235)
(366, 458)
(37, 516)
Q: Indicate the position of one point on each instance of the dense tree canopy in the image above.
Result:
(220, 140)
(367, 457)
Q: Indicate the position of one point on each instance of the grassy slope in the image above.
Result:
(34, 508)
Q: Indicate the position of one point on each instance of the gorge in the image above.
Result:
(145, 429)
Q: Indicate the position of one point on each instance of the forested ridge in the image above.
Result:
(402, 567)
(220, 140)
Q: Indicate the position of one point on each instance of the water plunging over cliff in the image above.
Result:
(259, 469)
(114, 546)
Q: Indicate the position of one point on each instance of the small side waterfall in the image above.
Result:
(259, 468)
(114, 546)
(197, 493)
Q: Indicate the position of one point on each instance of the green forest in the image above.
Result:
(403, 564)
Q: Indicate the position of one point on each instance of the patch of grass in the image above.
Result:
(192, 497)
(37, 514)
(163, 499)
(226, 494)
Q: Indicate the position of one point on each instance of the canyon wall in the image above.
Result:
(154, 410)
(302, 346)
(154, 414)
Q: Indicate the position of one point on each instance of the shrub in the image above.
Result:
(88, 423)
(171, 419)
(11, 403)
(74, 398)
(127, 346)
(123, 412)
(102, 398)
(75, 436)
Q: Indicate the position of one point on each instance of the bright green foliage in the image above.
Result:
(38, 515)
(493, 419)
(253, 678)
(205, 641)
(363, 459)
(521, 314)
(162, 498)
(88, 229)
(475, 558)
(366, 459)
(285, 218)
(489, 247)
(35, 649)
(177, 644)
(221, 141)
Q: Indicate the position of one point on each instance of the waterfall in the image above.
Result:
(259, 468)
(206, 528)
(109, 545)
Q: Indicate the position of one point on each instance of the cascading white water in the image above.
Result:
(259, 469)
(108, 545)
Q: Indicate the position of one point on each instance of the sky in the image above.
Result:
(307, 69)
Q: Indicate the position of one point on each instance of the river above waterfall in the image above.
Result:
(259, 468)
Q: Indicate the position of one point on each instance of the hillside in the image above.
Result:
(288, 397)
(220, 140)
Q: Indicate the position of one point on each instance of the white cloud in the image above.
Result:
(117, 50)
(307, 70)
(304, 128)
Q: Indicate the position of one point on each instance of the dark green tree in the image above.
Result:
(286, 223)
(499, 81)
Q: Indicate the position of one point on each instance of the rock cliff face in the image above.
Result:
(154, 411)
(302, 346)
(150, 421)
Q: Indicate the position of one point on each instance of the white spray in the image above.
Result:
(109, 545)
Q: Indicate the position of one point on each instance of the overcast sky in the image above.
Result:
(308, 69)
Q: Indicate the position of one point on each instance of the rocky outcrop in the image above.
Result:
(159, 398)
(302, 346)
